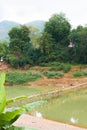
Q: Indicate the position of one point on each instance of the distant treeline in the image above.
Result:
(58, 42)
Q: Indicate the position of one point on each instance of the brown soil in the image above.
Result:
(66, 81)
(4, 66)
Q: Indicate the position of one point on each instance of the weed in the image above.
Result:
(80, 74)
(20, 78)
(53, 74)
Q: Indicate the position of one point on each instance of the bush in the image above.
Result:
(17, 62)
(49, 64)
(53, 74)
(20, 78)
(13, 61)
(80, 74)
(54, 69)
(64, 67)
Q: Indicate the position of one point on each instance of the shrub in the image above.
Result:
(13, 61)
(20, 78)
(80, 74)
(85, 73)
(53, 74)
(54, 69)
(64, 67)
(49, 64)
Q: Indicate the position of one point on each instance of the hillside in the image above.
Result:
(39, 24)
(5, 27)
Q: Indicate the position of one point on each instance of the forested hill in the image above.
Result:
(5, 27)
(38, 23)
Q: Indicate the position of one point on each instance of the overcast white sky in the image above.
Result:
(24, 11)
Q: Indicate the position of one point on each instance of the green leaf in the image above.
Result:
(10, 115)
(2, 92)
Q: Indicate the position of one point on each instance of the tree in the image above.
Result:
(83, 46)
(46, 43)
(58, 27)
(79, 36)
(20, 46)
(34, 36)
(54, 38)
(3, 49)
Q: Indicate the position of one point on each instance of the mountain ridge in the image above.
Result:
(6, 26)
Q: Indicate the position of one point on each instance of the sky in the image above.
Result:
(24, 11)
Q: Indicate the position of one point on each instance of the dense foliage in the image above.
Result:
(55, 38)
(79, 36)
(3, 49)
(80, 74)
(53, 74)
(19, 46)
(22, 77)
(58, 27)
(29, 46)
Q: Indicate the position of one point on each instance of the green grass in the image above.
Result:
(53, 74)
(67, 106)
(17, 77)
(57, 66)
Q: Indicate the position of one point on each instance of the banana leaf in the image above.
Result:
(2, 93)
(10, 115)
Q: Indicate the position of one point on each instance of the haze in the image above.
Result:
(23, 11)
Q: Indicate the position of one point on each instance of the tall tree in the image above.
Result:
(54, 38)
(3, 49)
(79, 36)
(58, 27)
(20, 46)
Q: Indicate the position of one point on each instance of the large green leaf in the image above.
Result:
(10, 115)
(2, 92)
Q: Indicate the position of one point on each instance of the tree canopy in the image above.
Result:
(55, 37)
(27, 46)
(20, 46)
(79, 36)
(58, 27)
